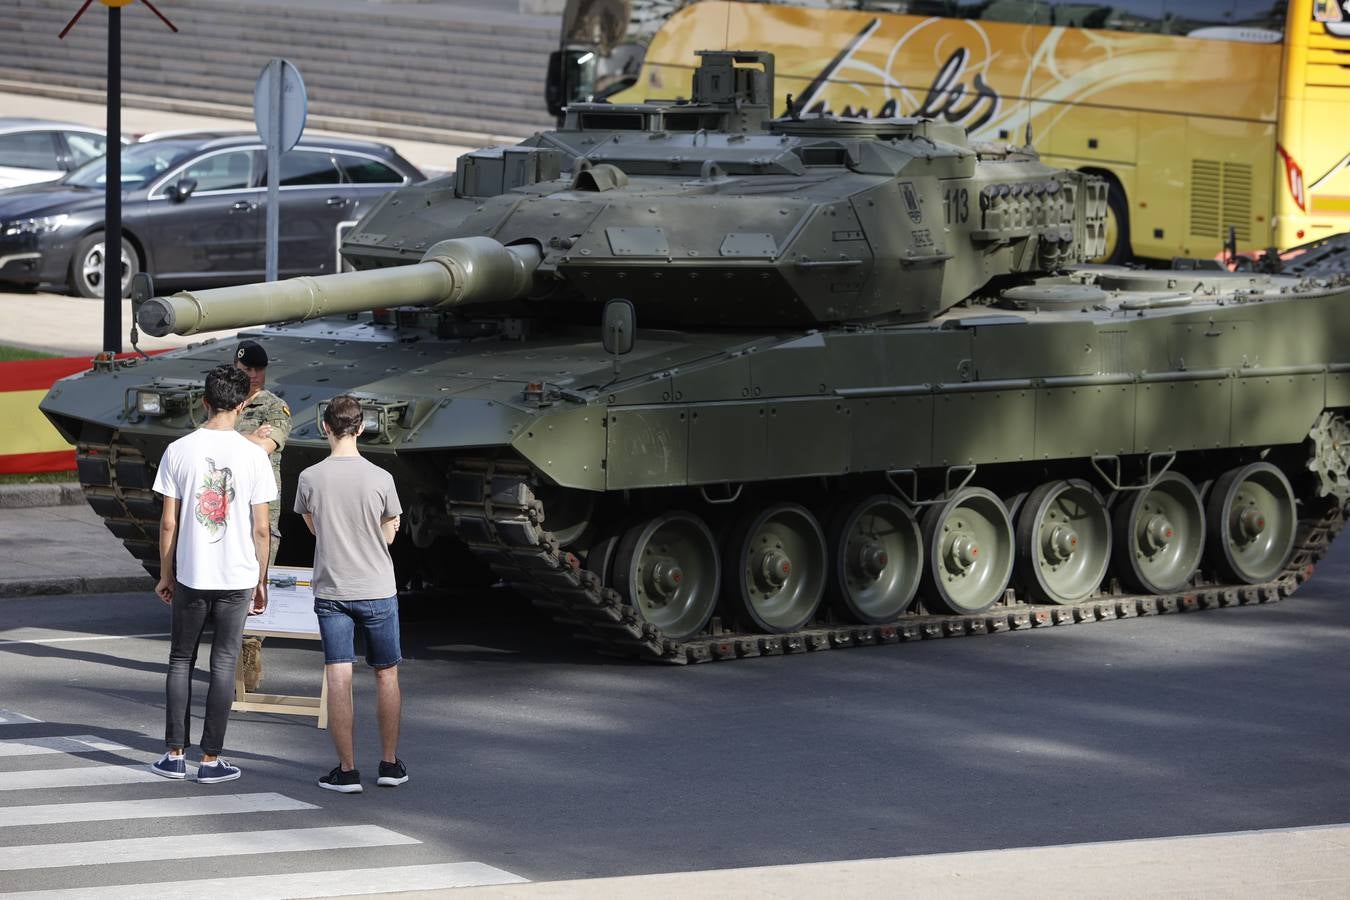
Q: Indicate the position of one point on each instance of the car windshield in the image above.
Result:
(140, 164)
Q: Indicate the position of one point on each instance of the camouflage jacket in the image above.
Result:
(266, 408)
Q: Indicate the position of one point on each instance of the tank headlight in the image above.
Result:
(370, 420)
(38, 225)
(377, 416)
(164, 398)
(149, 403)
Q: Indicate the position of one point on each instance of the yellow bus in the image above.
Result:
(1207, 117)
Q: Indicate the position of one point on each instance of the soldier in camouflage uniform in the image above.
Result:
(265, 420)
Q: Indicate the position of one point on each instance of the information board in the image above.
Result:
(290, 604)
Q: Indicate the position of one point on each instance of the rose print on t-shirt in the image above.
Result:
(213, 500)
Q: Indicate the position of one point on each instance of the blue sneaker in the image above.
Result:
(216, 772)
(170, 766)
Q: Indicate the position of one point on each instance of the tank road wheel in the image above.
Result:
(1251, 521)
(968, 547)
(877, 558)
(1063, 541)
(776, 564)
(1160, 534)
(667, 568)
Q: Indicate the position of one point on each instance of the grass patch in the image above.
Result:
(39, 478)
(10, 354)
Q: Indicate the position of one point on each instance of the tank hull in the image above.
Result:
(538, 457)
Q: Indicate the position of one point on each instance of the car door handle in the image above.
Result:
(337, 201)
(244, 206)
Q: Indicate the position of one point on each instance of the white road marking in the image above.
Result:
(229, 843)
(108, 810)
(92, 637)
(298, 884)
(8, 717)
(85, 776)
(82, 743)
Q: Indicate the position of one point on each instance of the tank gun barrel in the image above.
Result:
(453, 272)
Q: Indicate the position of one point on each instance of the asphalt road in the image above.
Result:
(547, 762)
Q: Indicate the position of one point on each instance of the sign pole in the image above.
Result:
(277, 86)
(280, 107)
(112, 192)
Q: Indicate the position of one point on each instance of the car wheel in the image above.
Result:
(87, 266)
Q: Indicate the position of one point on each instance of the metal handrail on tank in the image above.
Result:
(452, 273)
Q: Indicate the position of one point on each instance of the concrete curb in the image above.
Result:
(31, 496)
(75, 584)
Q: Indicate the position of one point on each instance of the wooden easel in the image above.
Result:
(247, 701)
(289, 614)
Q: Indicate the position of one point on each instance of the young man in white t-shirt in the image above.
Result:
(352, 507)
(213, 546)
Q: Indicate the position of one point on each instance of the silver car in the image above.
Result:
(36, 150)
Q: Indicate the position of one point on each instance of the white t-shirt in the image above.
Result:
(216, 476)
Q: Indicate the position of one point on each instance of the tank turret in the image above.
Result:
(704, 213)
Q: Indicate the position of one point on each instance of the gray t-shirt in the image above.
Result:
(348, 496)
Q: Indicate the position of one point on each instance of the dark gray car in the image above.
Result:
(194, 212)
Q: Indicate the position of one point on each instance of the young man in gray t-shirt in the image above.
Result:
(351, 506)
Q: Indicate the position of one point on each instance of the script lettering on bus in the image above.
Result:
(946, 97)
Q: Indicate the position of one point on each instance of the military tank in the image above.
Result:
(876, 396)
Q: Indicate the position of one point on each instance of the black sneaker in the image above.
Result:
(342, 782)
(393, 774)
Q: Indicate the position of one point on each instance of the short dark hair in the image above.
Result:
(226, 388)
(343, 415)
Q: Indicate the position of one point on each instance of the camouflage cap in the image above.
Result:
(251, 354)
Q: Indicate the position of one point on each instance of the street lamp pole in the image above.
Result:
(112, 192)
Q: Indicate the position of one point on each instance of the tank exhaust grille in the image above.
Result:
(1221, 195)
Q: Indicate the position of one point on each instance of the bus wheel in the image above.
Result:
(1118, 250)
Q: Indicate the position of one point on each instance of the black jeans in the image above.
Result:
(192, 610)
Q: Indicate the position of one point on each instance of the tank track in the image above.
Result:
(496, 514)
(117, 481)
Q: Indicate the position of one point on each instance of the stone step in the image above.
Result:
(453, 115)
(429, 66)
(321, 79)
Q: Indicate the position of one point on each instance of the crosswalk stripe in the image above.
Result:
(85, 776)
(9, 717)
(107, 810)
(81, 743)
(298, 884)
(230, 843)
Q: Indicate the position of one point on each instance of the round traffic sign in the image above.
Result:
(294, 103)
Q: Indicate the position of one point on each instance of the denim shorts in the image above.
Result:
(378, 621)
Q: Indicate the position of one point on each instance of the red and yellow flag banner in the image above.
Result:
(28, 442)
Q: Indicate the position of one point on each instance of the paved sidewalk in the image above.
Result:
(1306, 863)
(60, 549)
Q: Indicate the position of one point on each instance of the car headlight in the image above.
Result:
(39, 225)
